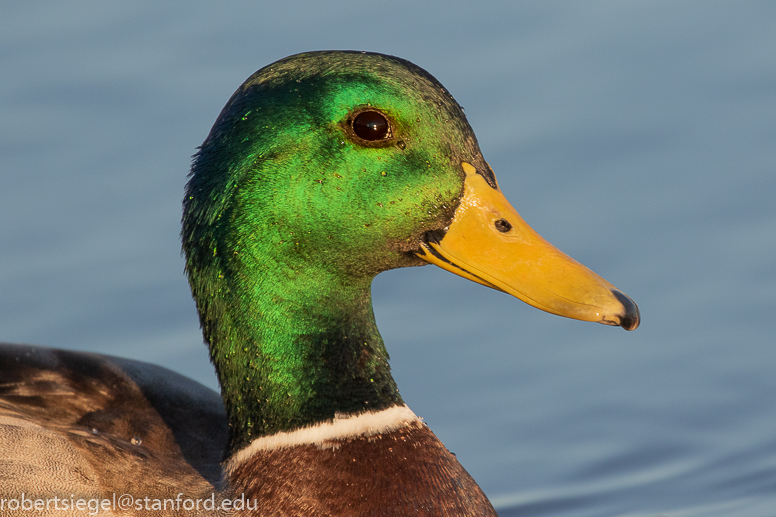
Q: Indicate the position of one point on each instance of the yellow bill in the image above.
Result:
(488, 242)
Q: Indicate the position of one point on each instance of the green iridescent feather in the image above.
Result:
(288, 217)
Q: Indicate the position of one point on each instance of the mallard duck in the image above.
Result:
(322, 170)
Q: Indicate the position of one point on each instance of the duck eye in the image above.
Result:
(503, 225)
(371, 125)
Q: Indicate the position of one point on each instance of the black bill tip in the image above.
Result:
(630, 317)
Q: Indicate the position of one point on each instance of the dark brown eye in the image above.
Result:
(371, 125)
(503, 225)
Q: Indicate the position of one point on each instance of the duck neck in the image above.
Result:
(295, 349)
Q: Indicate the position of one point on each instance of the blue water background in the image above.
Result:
(639, 137)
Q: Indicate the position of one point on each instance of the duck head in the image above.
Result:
(362, 162)
(325, 169)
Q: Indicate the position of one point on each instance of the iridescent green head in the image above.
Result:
(323, 170)
(284, 169)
